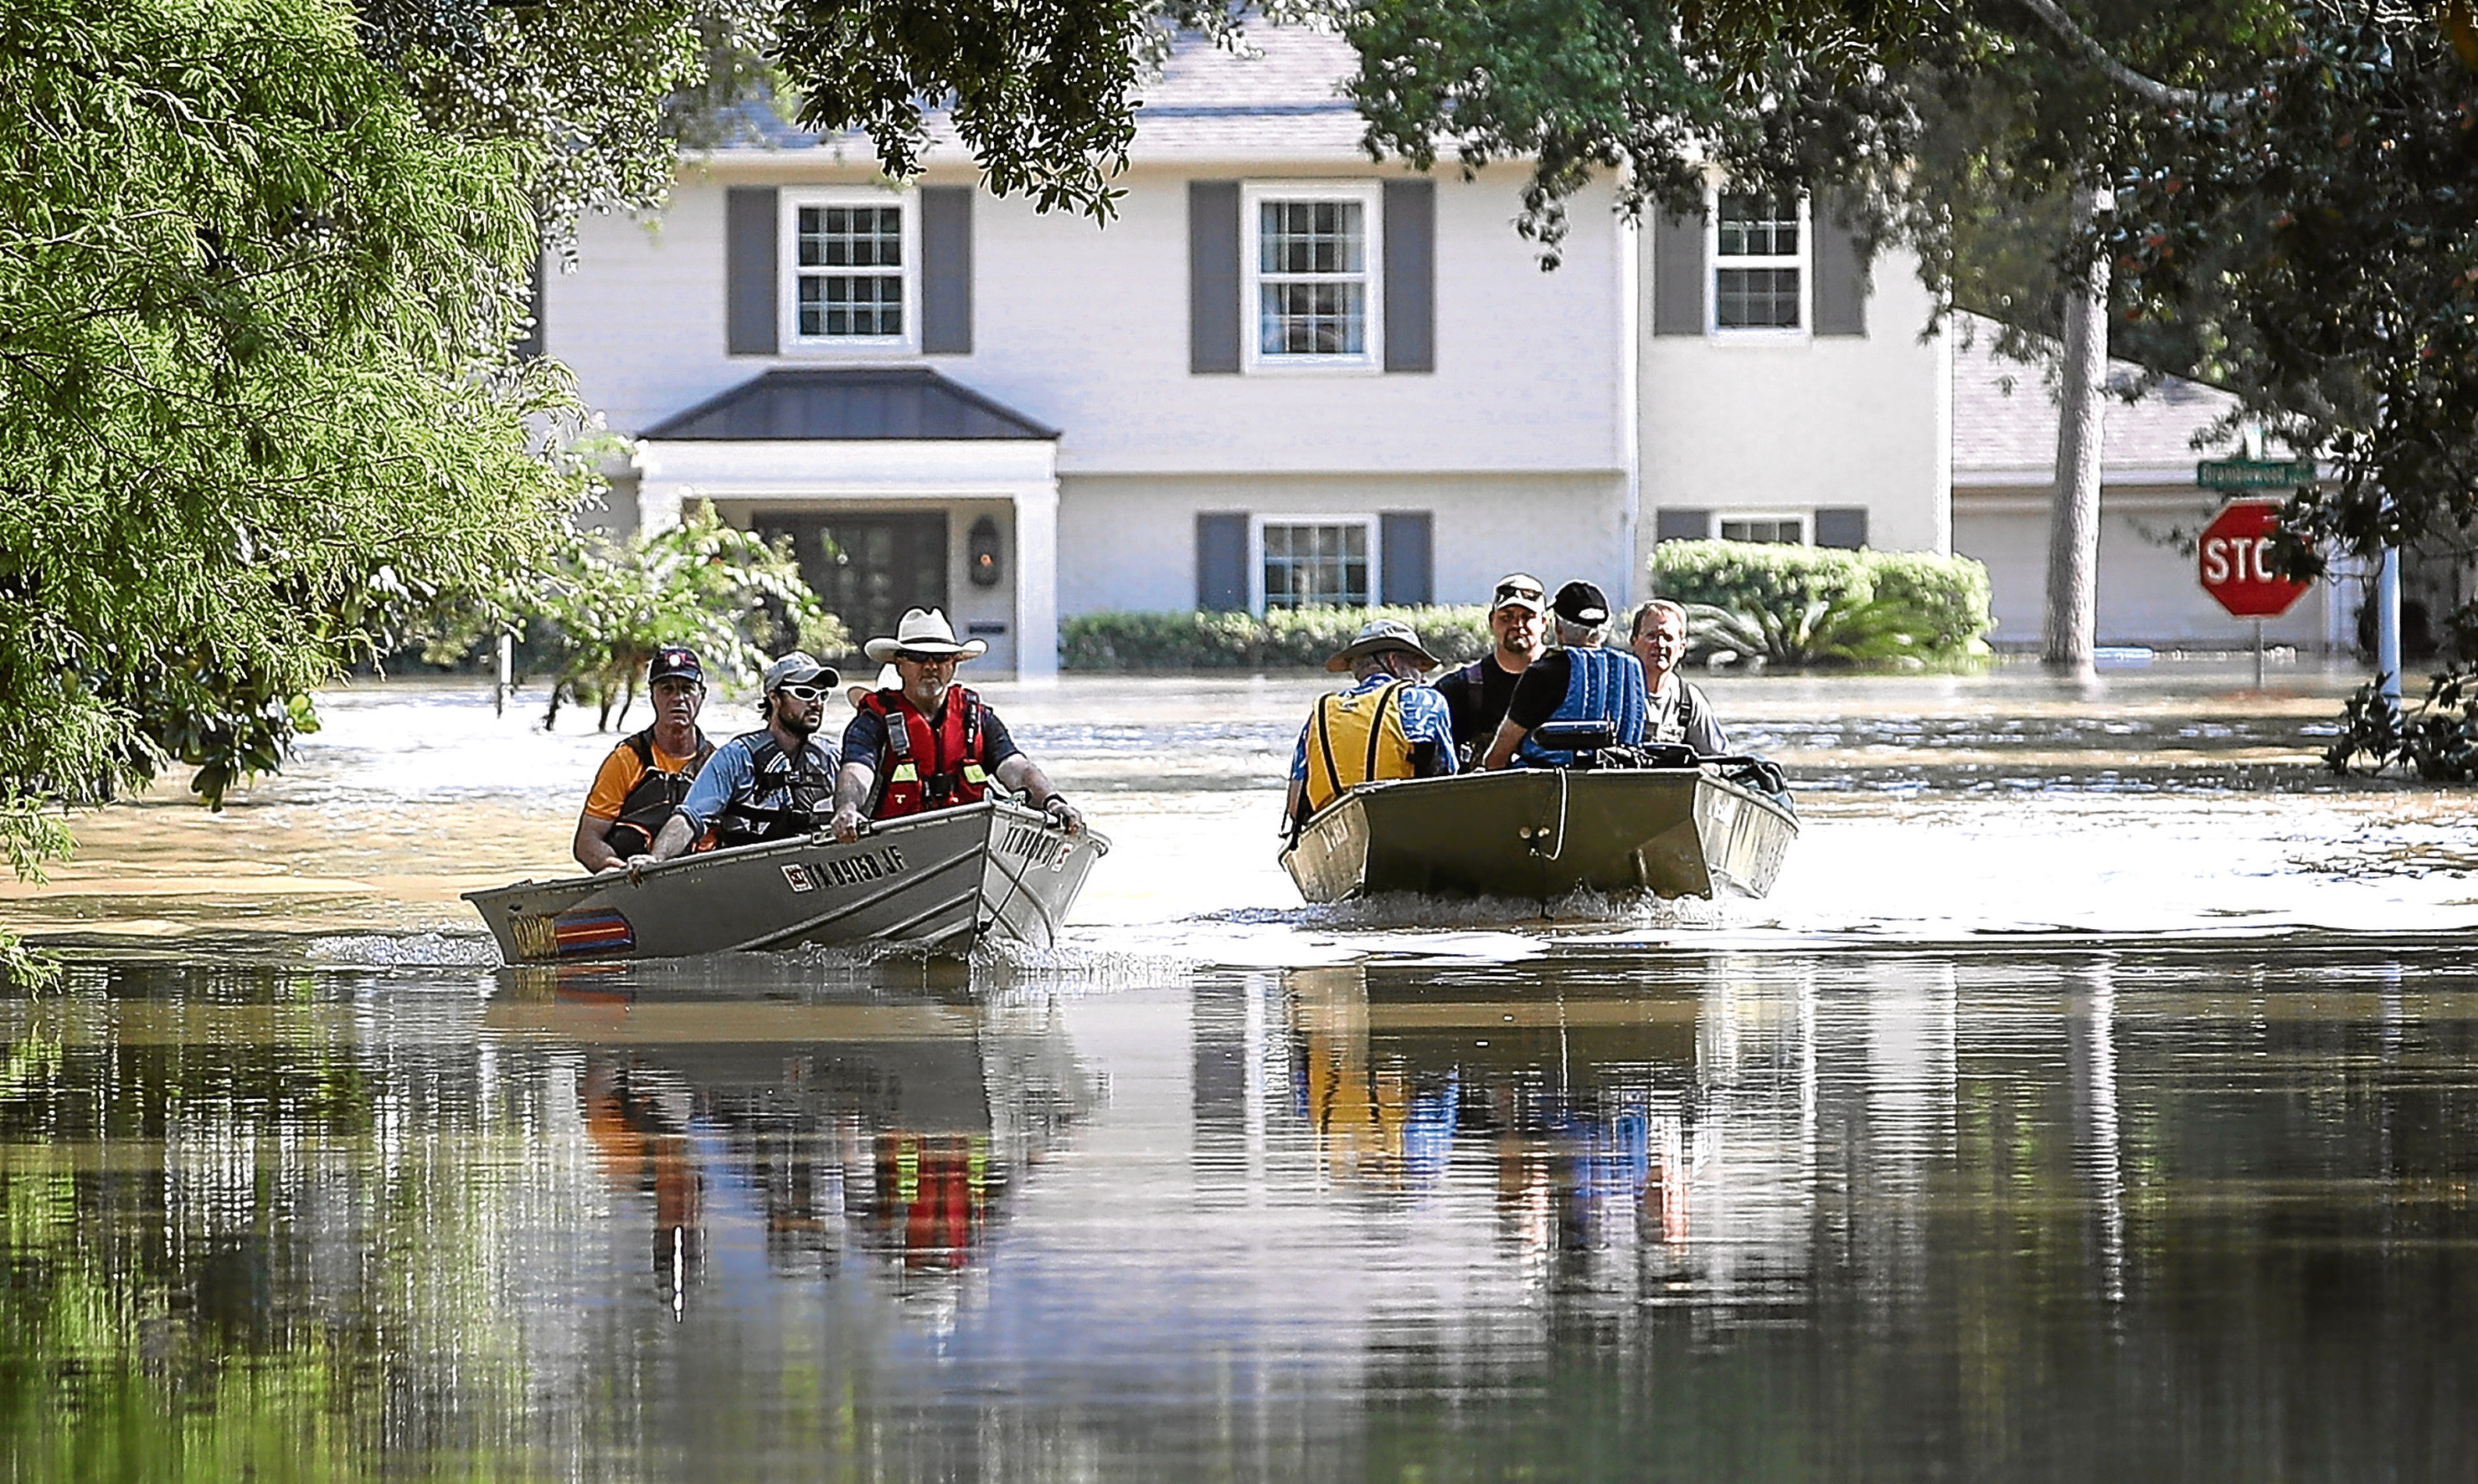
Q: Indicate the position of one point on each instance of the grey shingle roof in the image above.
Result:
(2004, 415)
(1282, 101)
(889, 402)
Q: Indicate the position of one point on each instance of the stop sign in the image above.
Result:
(2236, 561)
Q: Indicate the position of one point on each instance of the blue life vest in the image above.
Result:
(1604, 686)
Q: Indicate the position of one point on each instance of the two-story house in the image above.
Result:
(1281, 374)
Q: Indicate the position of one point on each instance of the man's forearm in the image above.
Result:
(592, 846)
(678, 834)
(852, 786)
(1500, 750)
(1022, 773)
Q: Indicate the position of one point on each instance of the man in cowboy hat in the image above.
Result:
(1386, 725)
(1577, 680)
(771, 784)
(1476, 694)
(930, 743)
(647, 775)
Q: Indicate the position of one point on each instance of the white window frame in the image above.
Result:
(1806, 520)
(1256, 551)
(1370, 196)
(789, 274)
(1804, 261)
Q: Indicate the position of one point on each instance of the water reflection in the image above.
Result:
(2166, 1212)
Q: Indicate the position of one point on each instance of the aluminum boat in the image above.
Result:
(943, 880)
(1539, 834)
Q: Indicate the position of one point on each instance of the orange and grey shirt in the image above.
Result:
(639, 787)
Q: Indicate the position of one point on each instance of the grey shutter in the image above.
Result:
(1682, 523)
(1405, 552)
(1222, 563)
(947, 270)
(1840, 275)
(1410, 276)
(1678, 275)
(750, 256)
(529, 344)
(1213, 279)
(1843, 528)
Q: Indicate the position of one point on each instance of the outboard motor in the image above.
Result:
(1586, 740)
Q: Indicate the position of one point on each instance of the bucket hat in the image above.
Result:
(1379, 635)
(925, 631)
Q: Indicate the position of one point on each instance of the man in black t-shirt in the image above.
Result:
(1476, 693)
(1581, 612)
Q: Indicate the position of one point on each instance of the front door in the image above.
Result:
(867, 568)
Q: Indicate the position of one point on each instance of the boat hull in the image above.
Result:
(943, 880)
(1542, 833)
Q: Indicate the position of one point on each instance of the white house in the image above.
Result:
(1283, 374)
(2151, 507)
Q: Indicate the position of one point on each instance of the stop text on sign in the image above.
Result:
(2236, 561)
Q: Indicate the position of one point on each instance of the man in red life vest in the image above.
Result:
(645, 777)
(931, 744)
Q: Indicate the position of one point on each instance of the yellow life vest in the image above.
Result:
(1356, 739)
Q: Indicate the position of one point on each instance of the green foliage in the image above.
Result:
(597, 612)
(1809, 605)
(588, 98)
(2437, 739)
(1284, 637)
(254, 402)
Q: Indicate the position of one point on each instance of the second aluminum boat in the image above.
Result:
(1538, 834)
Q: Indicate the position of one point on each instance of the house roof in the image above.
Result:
(1279, 99)
(846, 404)
(2004, 416)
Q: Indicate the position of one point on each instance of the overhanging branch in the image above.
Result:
(2149, 90)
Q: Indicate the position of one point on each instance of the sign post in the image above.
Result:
(2234, 560)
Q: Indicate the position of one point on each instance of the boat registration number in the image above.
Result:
(845, 870)
(1037, 846)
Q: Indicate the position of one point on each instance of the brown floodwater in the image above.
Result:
(2093, 1098)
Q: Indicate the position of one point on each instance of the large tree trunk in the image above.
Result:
(2073, 521)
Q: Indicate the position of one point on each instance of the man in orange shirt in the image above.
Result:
(644, 778)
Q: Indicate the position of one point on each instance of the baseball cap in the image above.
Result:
(674, 662)
(1518, 590)
(798, 669)
(1580, 603)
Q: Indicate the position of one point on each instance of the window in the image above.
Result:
(854, 258)
(1768, 527)
(1312, 281)
(1759, 264)
(1315, 561)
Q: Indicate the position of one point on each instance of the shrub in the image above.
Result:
(1283, 639)
(1809, 605)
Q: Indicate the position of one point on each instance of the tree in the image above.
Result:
(253, 396)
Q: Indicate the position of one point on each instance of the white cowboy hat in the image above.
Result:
(925, 631)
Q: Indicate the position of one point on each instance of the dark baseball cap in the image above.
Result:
(675, 661)
(1579, 602)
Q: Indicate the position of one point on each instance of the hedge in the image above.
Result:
(1947, 594)
(1283, 639)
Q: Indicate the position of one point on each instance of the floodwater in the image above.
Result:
(2094, 1098)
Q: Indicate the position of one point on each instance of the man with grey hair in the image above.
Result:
(1677, 712)
(1577, 682)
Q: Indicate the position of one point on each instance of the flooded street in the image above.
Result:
(2094, 1099)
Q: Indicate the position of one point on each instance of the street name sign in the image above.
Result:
(2255, 473)
(2236, 561)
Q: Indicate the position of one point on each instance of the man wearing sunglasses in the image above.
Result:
(1477, 693)
(928, 742)
(771, 784)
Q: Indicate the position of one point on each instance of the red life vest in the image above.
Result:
(923, 766)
